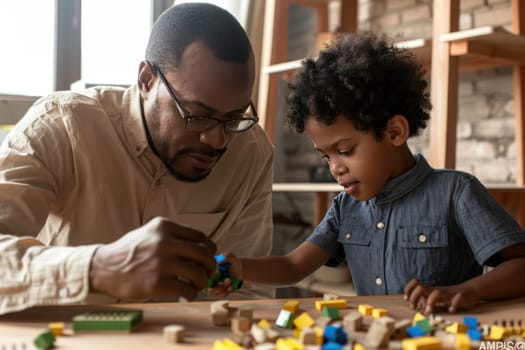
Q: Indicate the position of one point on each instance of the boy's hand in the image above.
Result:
(433, 299)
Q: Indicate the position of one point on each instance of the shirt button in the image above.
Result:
(62, 292)
(422, 238)
(348, 235)
(379, 281)
(380, 225)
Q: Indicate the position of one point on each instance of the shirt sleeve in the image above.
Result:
(34, 164)
(487, 226)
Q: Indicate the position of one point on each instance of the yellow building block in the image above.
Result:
(462, 342)
(303, 321)
(498, 332)
(226, 344)
(456, 328)
(358, 346)
(365, 309)
(57, 328)
(264, 324)
(291, 305)
(377, 312)
(421, 343)
(288, 344)
(418, 317)
(338, 303)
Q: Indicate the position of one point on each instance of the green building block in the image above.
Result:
(117, 320)
(45, 340)
(331, 312)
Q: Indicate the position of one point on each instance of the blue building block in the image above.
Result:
(332, 346)
(335, 334)
(471, 322)
(474, 334)
(415, 331)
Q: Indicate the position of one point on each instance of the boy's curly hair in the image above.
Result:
(364, 78)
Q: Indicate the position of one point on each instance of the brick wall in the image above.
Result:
(485, 131)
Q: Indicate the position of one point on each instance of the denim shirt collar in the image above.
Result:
(404, 183)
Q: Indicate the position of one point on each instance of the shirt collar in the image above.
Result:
(132, 121)
(404, 183)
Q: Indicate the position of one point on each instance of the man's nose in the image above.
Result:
(216, 138)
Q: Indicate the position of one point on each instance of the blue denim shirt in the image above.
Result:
(439, 226)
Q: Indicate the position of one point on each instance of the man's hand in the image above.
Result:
(433, 299)
(159, 259)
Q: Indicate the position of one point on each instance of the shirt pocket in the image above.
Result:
(358, 251)
(206, 223)
(423, 253)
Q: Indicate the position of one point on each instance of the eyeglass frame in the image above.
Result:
(187, 117)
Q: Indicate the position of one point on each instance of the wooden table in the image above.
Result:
(23, 327)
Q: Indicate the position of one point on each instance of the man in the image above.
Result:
(129, 193)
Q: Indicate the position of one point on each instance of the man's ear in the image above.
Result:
(146, 78)
(397, 130)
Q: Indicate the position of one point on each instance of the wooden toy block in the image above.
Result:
(424, 325)
(240, 324)
(456, 328)
(264, 324)
(331, 312)
(45, 340)
(222, 313)
(471, 322)
(303, 321)
(322, 321)
(288, 344)
(244, 312)
(338, 303)
(330, 296)
(358, 346)
(353, 322)
(418, 317)
(332, 346)
(117, 320)
(462, 342)
(264, 346)
(285, 319)
(365, 309)
(226, 344)
(173, 334)
(421, 343)
(308, 336)
(57, 328)
(389, 322)
(335, 333)
(378, 335)
(415, 331)
(474, 334)
(400, 328)
(498, 332)
(291, 305)
(378, 312)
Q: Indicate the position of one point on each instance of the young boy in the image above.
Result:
(401, 226)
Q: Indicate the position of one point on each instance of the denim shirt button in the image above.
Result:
(380, 225)
(379, 281)
(422, 238)
(348, 235)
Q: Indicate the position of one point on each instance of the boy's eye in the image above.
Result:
(346, 152)
(325, 157)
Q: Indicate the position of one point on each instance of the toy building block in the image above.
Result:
(264, 324)
(173, 334)
(45, 340)
(421, 343)
(365, 309)
(323, 321)
(309, 336)
(498, 332)
(331, 312)
(332, 346)
(389, 322)
(378, 335)
(226, 344)
(291, 305)
(117, 320)
(415, 331)
(400, 328)
(353, 322)
(474, 334)
(417, 317)
(240, 324)
(456, 328)
(335, 333)
(288, 344)
(221, 313)
(462, 342)
(358, 346)
(330, 296)
(303, 321)
(244, 311)
(57, 328)
(471, 322)
(424, 325)
(263, 334)
(338, 303)
(285, 319)
(378, 312)
(223, 272)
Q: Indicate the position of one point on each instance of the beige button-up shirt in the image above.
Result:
(77, 171)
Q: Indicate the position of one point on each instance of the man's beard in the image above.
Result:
(182, 177)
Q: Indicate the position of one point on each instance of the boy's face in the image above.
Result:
(358, 161)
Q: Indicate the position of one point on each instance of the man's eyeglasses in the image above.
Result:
(203, 124)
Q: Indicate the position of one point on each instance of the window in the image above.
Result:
(28, 47)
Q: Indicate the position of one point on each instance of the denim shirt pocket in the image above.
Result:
(356, 244)
(424, 253)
